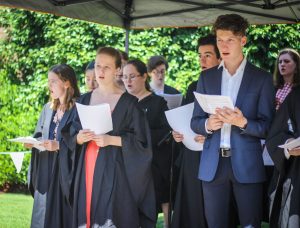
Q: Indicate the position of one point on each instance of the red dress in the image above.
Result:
(90, 161)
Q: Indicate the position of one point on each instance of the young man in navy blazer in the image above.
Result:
(231, 161)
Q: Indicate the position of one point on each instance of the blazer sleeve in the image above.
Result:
(259, 126)
(199, 116)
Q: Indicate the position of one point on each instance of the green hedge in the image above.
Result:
(37, 41)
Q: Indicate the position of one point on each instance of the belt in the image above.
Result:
(225, 152)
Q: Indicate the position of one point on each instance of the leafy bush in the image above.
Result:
(37, 41)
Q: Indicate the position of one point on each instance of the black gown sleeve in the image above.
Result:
(160, 129)
(68, 155)
(137, 155)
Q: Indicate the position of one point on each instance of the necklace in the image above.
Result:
(56, 119)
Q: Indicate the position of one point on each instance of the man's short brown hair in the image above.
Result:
(232, 22)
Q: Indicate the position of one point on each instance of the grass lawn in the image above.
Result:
(15, 211)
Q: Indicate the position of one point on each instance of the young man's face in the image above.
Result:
(230, 45)
(207, 56)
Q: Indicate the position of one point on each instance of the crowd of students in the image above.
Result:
(122, 179)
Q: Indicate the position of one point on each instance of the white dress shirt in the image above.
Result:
(230, 87)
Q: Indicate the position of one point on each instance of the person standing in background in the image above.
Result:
(90, 79)
(157, 67)
(188, 210)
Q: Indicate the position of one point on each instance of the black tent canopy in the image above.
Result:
(141, 14)
(135, 14)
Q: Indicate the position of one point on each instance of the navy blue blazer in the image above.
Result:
(256, 100)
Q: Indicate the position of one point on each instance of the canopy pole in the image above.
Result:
(127, 40)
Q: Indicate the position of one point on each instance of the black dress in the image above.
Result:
(285, 194)
(154, 106)
(123, 192)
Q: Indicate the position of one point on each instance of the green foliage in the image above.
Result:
(37, 41)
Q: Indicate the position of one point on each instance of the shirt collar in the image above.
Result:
(240, 68)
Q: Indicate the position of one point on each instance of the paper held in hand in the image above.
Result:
(209, 103)
(96, 118)
(180, 121)
(173, 100)
(291, 144)
(29, 140)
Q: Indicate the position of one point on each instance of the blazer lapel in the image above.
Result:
(216, 78)
(245, 84)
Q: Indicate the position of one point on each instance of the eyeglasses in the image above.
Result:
(132, 77)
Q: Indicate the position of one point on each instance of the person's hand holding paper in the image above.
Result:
(29, 142)
(231, 116)
(95, 120)
(222, 111)
(179, 119)
(292, 146)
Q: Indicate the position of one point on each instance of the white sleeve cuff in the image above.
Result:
(207, 131)
(286, 153)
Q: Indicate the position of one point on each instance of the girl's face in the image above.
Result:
(90, 80)
(286, 65)
(105, 69)
(134, 82)
(57, 87)
(158, 75)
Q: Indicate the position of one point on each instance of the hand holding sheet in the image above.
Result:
(96, 118)
(179, 120)
(29, 140)
(291, 144)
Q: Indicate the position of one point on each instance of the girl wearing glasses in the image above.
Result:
(135, 78)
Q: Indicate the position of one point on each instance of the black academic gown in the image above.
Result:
(155, 106)
(189, 205)
(285, 194)
(123, 193)
(50, 173)
(170, 90)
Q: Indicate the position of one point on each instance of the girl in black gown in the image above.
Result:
(285, 206)
(135, 78)
(113, 182)
(49, 169)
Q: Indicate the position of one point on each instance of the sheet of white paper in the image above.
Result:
(17, 158)
(96, 118)
(266, 157)
(209, 103)
(173, 100)
(179, 120)
(30, 140)
(292, 144)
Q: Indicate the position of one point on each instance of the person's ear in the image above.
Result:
(145, 75)
(118, 71)
(244, 41)
(67, 84)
